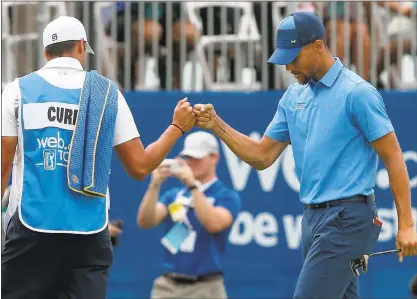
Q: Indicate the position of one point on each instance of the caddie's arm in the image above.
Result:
(138, 161)
(8, 131)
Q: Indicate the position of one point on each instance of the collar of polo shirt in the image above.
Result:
(64, 62)
(330, 77)
(204, 187)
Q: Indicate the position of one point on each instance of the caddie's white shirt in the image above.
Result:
(65, 73)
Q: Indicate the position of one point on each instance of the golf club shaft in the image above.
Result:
(385, 252)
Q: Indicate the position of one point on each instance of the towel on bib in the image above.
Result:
(91, 147)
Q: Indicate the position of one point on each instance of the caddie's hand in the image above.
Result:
(184, 174)
(114, 231)
(407, 241)
(159, 175)
(183, 115)
(205, 116)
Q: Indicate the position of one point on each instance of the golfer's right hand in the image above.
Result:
(205, 115)
(183, 115)
(407, 241)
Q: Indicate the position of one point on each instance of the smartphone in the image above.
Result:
(173, 165)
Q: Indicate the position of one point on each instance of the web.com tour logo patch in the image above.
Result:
(49, 159)
(54, 149)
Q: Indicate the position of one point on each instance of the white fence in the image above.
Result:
(213, 45)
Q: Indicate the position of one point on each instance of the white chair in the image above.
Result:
(404, 74)
(107, 51)
(11, 39)
(284, 78)
(107, 58)
(247, 33)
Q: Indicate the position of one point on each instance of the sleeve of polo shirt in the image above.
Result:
(278, 127)
(125, 129)
(230, 201)
(368, 112)
(10, 100)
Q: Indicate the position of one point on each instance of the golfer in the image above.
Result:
(57, 243)
(337, 125)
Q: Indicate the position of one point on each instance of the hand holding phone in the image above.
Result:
(173, 165)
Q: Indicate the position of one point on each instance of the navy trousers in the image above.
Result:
(331, 237)
(38, 265)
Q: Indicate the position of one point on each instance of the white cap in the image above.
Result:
(200, 144)
(64, 29)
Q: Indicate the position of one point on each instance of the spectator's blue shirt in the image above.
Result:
(208, 248)
(331, 124)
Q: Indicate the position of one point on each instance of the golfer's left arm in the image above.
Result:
(390, 153)
(9, 131)
(369, 115)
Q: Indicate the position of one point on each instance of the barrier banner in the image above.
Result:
(263, 259)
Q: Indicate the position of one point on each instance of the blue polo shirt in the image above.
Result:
(204, 254)
(331, 124)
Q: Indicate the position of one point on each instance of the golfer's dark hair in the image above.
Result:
(59, 49)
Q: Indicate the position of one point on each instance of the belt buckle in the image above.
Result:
(182, 276)
(316, 205)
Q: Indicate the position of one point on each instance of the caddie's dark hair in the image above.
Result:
(59, 49)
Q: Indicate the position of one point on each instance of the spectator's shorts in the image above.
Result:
(152, 11)
(340, 10)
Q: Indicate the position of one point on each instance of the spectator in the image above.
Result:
(356, 29)
(409, 41)
(154, 23)
(266, 40)
(204, 208)
(221, 20)
(273, 76)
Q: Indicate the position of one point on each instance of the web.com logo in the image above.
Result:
(55, 151)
